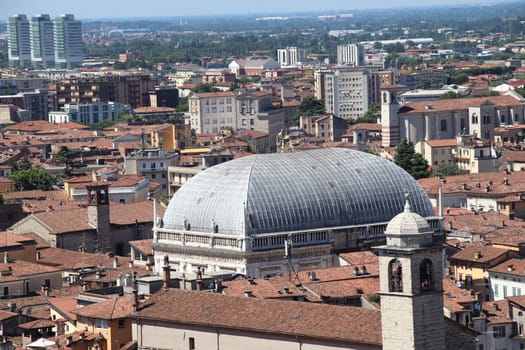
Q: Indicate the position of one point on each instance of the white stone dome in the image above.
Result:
(407, 223)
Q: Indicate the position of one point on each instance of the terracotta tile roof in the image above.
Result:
(497, 311)
(514, 156)
(5, 315)
(80, 336)
(457, 104)
(8, 239)
(362, 286)
(120, 214)
(143, 245)
(74, 260)
(37, 324)
(111, 309)
(442, 143)
(479, 253)
(457, 299)
(514, 267)
(261, 288)
(337, 323)
(338, 273)
(154, 110)
(41, 125)
(215, 94)
(33, 302)
(366, 126)
(362, 257)
(518, 300)
(339, 144)
(469, 184)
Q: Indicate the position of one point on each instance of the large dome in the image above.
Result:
(304, 190)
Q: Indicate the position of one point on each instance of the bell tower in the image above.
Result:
(98, 214)
(411, 287)
(390, 120)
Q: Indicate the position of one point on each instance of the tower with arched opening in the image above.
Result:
(411, 288)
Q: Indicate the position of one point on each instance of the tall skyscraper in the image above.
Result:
(68, 42)
(351, 54)
(19, 41)
(42, 42)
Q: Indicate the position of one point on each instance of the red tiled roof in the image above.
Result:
(261, 288)
(154, 110)
(479, 253)
(110, 309)
(266, 316)
(143, 245)
(64, 305)
(443, 143)
(497, 311)
(457, 104)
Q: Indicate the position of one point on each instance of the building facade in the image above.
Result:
(350, 54)
(291, 57)
(68, 42)
(19, 41)
(347, 93)
(42, 42)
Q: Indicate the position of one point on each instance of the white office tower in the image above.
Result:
(19, 41)
(42, 42)
(350, 54)
(68, 42)
(291, 57)
(346, 93)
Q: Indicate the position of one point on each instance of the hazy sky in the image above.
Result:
(159, 8)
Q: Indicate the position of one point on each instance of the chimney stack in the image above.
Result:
(166, 273)
(115, 262)
(135, 301)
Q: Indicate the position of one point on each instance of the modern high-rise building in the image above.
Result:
(291, 57)
(19, 41)
(42, 42)
(347, 93)
(68, 42)
(351, 54)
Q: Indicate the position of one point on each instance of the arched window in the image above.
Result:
(474, 118)
(425, 275)
(385, 97)
(395, 277)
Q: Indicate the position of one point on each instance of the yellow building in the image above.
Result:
(6, 185)
(111, 319)
(173, 137)
(469, 266)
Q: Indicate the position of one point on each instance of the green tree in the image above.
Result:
(309, 106)
(69, 158)
(32, 179)
(183, 105)
(449, 95)
(414, 163)
(447, 169)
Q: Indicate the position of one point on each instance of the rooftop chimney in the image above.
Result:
(38, 256)
(115, 262)
(166, 273)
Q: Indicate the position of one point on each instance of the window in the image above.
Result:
(498, 331)
(443, 125)
(6, 291)
(121, 323)
(103, 324)
(191, 343)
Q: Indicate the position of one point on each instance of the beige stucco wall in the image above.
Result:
(177, 337)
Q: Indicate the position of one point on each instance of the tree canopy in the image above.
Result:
(69, 158)
(32, 179)
(310, 106)
(447, 169)
(407, 158)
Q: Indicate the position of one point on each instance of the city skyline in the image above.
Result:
(165, 8)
